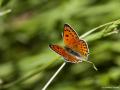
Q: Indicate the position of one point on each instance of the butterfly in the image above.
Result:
(75, 50)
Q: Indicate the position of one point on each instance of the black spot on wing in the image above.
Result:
(67, 35)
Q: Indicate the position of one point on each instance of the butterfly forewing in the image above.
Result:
(66, 55)
(70, 37)
(72, 41)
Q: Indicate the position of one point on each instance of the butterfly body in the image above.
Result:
(72, 52)
(75, 49)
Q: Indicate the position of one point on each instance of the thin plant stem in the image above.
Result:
(5, 12)
(94, 29)
(55, 74)
(91, 63)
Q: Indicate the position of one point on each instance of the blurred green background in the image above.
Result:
(27, 63)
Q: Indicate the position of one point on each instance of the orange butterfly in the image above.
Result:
(75, 49)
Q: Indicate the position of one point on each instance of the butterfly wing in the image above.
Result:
(72, 41)
(82, 48)
(66, 55)
(70, 37)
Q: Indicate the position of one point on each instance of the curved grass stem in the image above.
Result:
(94, 29)
(91, 63)
(55, 74)
(5, 12)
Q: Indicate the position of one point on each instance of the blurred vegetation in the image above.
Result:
(27, 27)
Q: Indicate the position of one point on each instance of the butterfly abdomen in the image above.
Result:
(72, 52)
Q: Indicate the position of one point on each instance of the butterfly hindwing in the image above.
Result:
(82, 48)
(66, 55)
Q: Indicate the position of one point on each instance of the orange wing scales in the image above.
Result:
(83, 48)
(68, 57)
(72, 41)
(70, 36)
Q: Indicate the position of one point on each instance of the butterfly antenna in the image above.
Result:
(91, 63)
